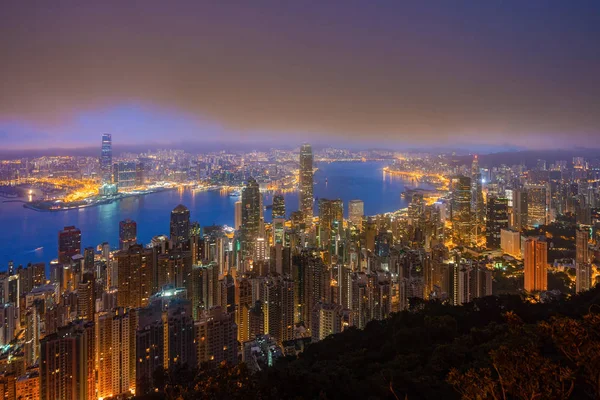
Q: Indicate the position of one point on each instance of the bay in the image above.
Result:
(32, 236)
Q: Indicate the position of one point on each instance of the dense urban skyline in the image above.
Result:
(505, 74)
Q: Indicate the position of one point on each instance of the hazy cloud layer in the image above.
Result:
(519, 73)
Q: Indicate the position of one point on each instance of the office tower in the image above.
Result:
(67, 363)
(115, 353)
(238, 215)
(278, 210)
(461, 209)
(216, 338)
(227, 292)
(583, 267)
(180, 226)
(125, 175)
(278, 304)
(520, 209)
(496, 220)
(331, 218)
(245, 301)
(10, 289)
(106, 159)
(251, 205)
(536, 264)
(510, 242)
(356, 211)
(306, 183)
(134, 271)
(537, 209)
(69, 244)
(477, 206)
(127, 234)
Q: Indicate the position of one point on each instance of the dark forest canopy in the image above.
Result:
(492, 348)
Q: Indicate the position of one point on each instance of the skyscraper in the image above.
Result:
(356, 211)
(69, 243)
(127, 234)
(180, 225)
(67, 363)
(126, 175)
(238, 215)
(536, 264)
(106, 159)
(583, 267)
(477, 207)
(461, 209)
(306, 183)
(536, 205)
(216, 338)
(278, 210)
(135, 270)
(331, 218)
(250, 217)
(496, 220)
(115, 352)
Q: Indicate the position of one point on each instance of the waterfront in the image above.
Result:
(31, 236)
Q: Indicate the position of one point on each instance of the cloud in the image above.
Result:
(433, 73)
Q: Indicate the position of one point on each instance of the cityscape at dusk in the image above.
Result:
(299, 200)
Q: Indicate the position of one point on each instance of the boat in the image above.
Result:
(235, 193)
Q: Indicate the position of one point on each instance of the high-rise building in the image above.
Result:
(216, 338)
(238, 215)
(67, 364)
(536, 264)
(510, 242)
(125, 175)
(461, 209)
(331, 218)
(180, 226)
(328, 319)
(127, 234)
(115, 353)
(496, 220)
(251, 205)
(69, 244)
(28, 386)
(106, 159)
(477, 205)
(537, 209)
(32, 276)
(278, 210)
(356, 211)
(583, 267)
(520, 209)
(306, 183)
(135, 271)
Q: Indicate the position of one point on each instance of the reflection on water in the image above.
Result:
(24, 229)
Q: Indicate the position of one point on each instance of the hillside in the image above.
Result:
(541, 351)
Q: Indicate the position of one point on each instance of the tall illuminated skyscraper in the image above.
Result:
(306, 182)
(278, 210)
(461, 209)
(106, 159)
(583, 268)
(127, 234)
(356, 211)
(69, 243)
(496, 220)
(250, 217)
(477, 207)
(238, 216)
(536, 265)
(180, 225)
(537, 209)
(331, 218)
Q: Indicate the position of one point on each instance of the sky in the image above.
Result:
(486, 74)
